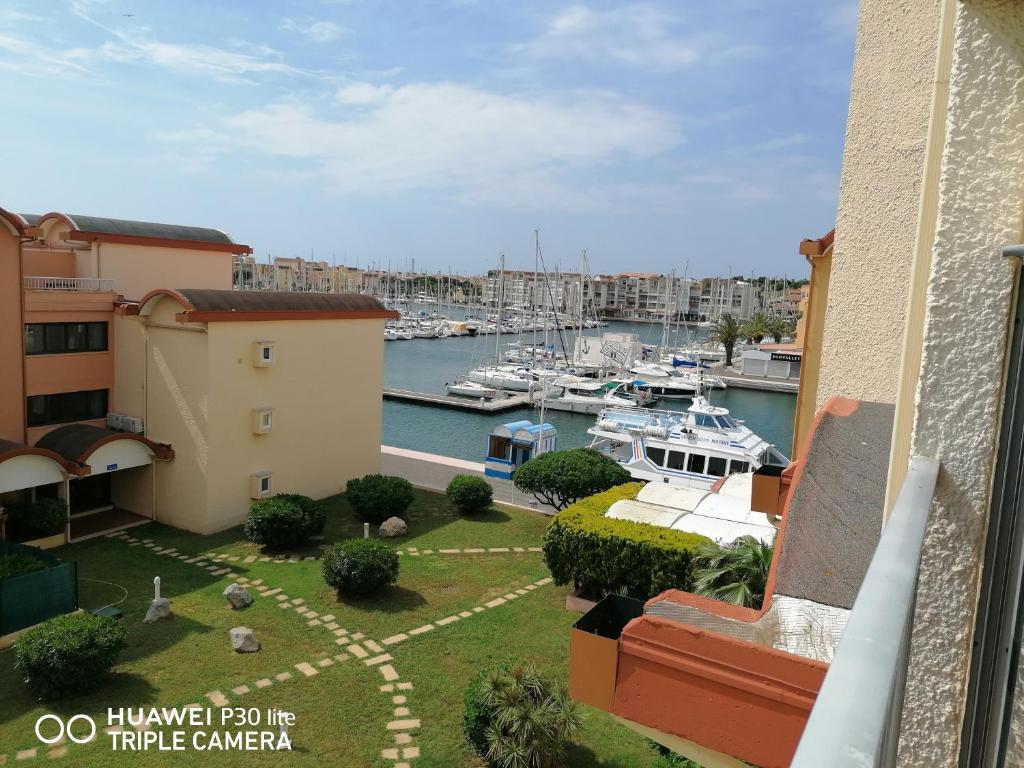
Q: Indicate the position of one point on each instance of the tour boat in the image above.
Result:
(694, 448)
(472, 389)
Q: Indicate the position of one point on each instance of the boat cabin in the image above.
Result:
(511, 445)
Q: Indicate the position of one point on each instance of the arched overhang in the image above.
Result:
(23, 466)
(12, 223)
(148, 302)
(103, 450)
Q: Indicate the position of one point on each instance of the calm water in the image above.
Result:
(425, 365)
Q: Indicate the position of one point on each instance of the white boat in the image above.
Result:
(663, 381)
(390, 334)
(472, 389)
(502, 377)
(576, 394)
(694, 448)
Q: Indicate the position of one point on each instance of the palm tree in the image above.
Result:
(736, 573)
(779, 328)
(756, 328)
(726, 332)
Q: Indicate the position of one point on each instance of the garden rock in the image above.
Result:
(393, 527)
(243, 640)
(158, 609)
(238, 596)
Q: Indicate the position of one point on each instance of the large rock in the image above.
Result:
(158, 609)
(243, 640)
(238, 596)
(393, 527)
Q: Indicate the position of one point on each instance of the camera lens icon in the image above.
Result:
(67, 729)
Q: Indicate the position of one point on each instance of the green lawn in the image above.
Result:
(341, 712)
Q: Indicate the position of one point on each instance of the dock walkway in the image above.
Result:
(464, 403)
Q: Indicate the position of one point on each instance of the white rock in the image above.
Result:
(393, 527)
(243, 640)
(158, 609)
(238, 596)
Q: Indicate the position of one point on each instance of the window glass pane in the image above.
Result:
(66, 406)
(656, 456)
(696, 463)
(738, 466)
(77, 336)
(54, 337)
(716, 466)
(34, 339)
(97, 337)
(676, 460)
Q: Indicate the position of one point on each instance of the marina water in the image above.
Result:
(425, 365)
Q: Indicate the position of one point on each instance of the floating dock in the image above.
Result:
(757, 382)
(462, 403)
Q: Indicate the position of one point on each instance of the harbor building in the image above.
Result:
(891, 629)
(134, 398)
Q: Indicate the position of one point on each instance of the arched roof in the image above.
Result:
(12, 222)
(9, 449)
(209, 305)
(104, 229)
(77, 442)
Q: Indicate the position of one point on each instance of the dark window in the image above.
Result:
(716, 466)
(696, 463)
(676, 460)
(67, 406)
(60, 338)
(703, 420)
(656, 456)
(738, 466)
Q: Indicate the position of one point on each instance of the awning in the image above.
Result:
(24, 466)
(103, 450)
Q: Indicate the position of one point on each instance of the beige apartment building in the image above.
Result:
(141, 386)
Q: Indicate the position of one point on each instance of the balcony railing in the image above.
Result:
(856, 718)
(79, 284)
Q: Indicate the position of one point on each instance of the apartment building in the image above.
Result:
(139, 385)
(294, 274)
(901, 534)
(725, 296)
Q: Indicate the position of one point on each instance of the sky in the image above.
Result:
(701, 136)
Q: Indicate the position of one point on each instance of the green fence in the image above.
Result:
(34, 597)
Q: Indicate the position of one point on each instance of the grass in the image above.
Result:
(341, 713)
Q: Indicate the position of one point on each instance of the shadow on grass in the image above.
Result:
(579, 756)
(391, 599)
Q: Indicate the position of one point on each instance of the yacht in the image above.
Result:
(577, 394)
(662, 381)
(503, 377)
(695, 448)
(390, 334)
(471, 389)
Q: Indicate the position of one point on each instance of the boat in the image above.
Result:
(695, 448)
(472, 389)
(577, 394)
(390, 334)
(663, 381)
(502, 377)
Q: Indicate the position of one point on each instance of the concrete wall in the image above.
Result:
(880, 189)
(325, 389)
(138, 269)
(981, 196)
(12, 397)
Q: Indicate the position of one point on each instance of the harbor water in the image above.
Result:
(425, 365)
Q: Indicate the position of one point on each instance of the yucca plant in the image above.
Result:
(735, 573)
(515, 719)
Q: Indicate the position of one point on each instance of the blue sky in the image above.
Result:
(700, 136)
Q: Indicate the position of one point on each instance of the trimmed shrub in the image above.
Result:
(69, 654)
(18, 565)
(584, 548)
(360, 566)
(514, 717)
(561, 478)
(43, 517)
(469, 494)
(278, 521)
(375, 498)
(314, 512)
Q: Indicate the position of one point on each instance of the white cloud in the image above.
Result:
(317, 31)
(471, 145)
(639, 35)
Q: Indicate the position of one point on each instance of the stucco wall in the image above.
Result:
(880, 189)
(981, 197)
(129, 395)
(325, 389)
(138, 269)
(12, 399)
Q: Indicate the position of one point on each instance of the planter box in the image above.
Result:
(594, 650)
(48, 542)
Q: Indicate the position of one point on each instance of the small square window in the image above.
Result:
(261, 485)
(265, 484)
(263, 354)
(262, 420)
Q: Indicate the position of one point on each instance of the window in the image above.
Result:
(703, 420)
(62, 338)
(696, 463)
(265, 484)
(716, 466)
(676, 460)
(261, 484)
(656, 456)
(262, 420)
(262, 354)
(738, 466)
(66, 406)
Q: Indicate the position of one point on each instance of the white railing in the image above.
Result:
(81, 284)
(856, 719)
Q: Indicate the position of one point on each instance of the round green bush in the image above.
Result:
(375, 498)
(69, 654)
(360, 566)
(561, 478)
(278, 521)
(43, 517)
(314, 512)
(18, 565)
(470, 494)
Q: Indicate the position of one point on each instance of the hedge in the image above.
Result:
(36, 519)
(18, 565)
(594, 553)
